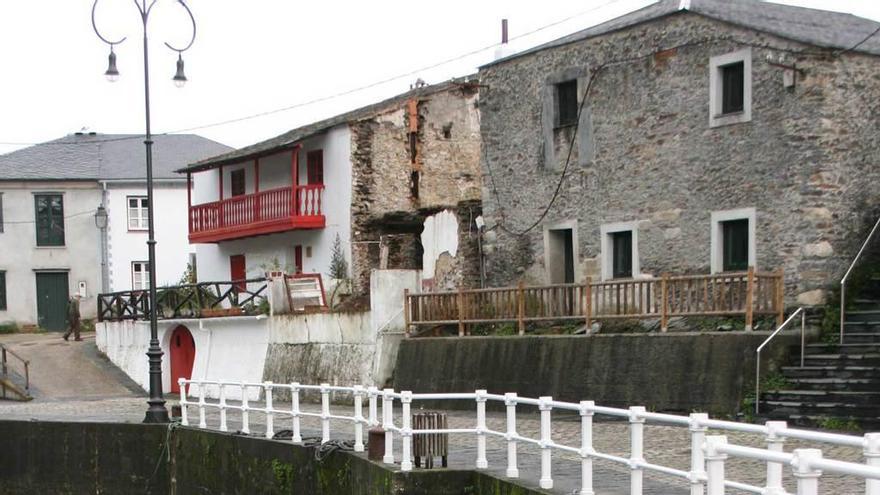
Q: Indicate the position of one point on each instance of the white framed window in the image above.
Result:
(620, 250)
(140, 275)
(733, 240)
(138, 216)
(730, 88)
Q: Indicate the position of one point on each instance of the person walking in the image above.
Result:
(73, 324)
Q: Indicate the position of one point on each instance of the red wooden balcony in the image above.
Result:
(265, 212)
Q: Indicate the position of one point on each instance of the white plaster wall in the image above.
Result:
(276, 251)
(227, 349)
(20, 256)
(125, 246)
(440, 235)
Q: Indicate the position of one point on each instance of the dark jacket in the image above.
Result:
(73, 311)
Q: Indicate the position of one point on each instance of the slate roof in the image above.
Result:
(292, 137)
(835, 30)
(106, 157)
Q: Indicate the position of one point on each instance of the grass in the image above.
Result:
(8, 327)
(838, 424)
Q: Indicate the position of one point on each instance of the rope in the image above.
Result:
(322, 450)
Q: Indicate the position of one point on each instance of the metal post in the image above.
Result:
(510, 436)
(758, 382)
(872, 458)
(358, 418)
(803, 335)
(202, 423)
(325, 413)
(715, 464)
(544, 406)
(775, 443)
(698, 430)
(406, 433)
(636, 453)
(294, 406)
(842, 307)
(387, 419)
(806, 475)
(482, 463)
(184, 419)
(587, 446)
(270, 420)
(223, 426)
(244, 410)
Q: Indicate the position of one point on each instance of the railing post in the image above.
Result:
(698, 430)
(245, 428)
(295, 412)
(588, 304)
(184, 419)
(387, 420)
(750, 289)
(202, 423)
(715, 464)
(373, 392)
(842, 308)
(406, 316)
(636, 453)
(780, 297)
(521, 308)
(872, 458)
(806, 475)
(406, 432)
(775, 443)
(586, 412)
(546, 481)
(358, 418)
(325, 413)
(664, 302)
(482, 463)
(270, 419)
(460, 312)
(510, 436)
(223, 426)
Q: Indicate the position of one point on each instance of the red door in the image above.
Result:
(237, 270)
(183, 354)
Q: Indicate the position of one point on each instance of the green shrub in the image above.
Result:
(8, 327)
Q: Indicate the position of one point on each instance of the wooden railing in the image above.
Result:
(5, 374)
(205, 299)
(746, 293)
(283, 203)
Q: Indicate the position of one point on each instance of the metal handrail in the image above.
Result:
(846, 275)
(767, 341)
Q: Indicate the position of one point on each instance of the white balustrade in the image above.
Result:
(706, 475)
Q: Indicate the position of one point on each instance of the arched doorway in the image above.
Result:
(183, 354)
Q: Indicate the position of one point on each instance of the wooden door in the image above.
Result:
(237, 270)
(52, 296)
(183, 355)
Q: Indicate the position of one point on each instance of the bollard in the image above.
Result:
(806, 475)
(387, 420)
(358, 418)
(482, 463)
(184, 419)
(325, 413)
(510, 436)
(223, 426)
(586, 412)
(294, 412)
(376, 444)
(270, 420)
(715, 464)
(872, 458)
(546, 481)
(698, 429)
(406, 432)
(774, 469)
(637, 442)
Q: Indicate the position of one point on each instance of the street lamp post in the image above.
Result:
(156, 413)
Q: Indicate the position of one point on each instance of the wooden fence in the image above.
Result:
(746, 293)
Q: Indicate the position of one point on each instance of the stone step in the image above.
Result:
(830, 408)
(846, 348)
(809, 397)
(837, 359)
(840, 372)
(859, 337)
(863, 315)
(861, 326)
(833, 384)
(817, 421)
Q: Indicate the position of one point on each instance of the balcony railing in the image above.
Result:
(265, 212)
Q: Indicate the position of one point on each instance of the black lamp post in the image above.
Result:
(156, 413)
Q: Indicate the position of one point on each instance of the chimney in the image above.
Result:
(503, 49)
(503, 31)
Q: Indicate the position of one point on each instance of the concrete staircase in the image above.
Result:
(839, 384)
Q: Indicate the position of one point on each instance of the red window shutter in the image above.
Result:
(237, 270)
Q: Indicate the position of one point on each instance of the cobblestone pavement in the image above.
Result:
(665, 445)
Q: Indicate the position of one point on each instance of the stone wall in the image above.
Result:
(645, 153)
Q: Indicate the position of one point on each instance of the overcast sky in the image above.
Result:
(258, 56)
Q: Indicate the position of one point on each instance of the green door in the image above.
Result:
(52, 301)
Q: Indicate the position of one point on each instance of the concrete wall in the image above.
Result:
(688, 372)
(125, 245)
(80, 257)
(645, 153)
(229, 349)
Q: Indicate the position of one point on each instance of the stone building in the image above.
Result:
(714, 135)
(372, 177)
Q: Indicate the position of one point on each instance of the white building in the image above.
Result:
(50, 243)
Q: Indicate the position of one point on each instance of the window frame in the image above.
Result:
(237, 177)
(3, 302)
(143, 216)
(145, 275)
(570, 100)
(315, 167)
(717, 64)
(47, 241)
(716, 258)
(607, 248)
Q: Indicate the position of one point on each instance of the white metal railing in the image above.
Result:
(707, 453)
(846, 276)
(767, 341)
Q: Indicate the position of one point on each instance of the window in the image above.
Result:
(238, 271)
(237, 182)
(49, 212)
(2, 291)
(566, 103)
(1, 212)
(138, 213)
(733, 240)
(140, 275)
(620, 250)
(315, 167)
(730, 88)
